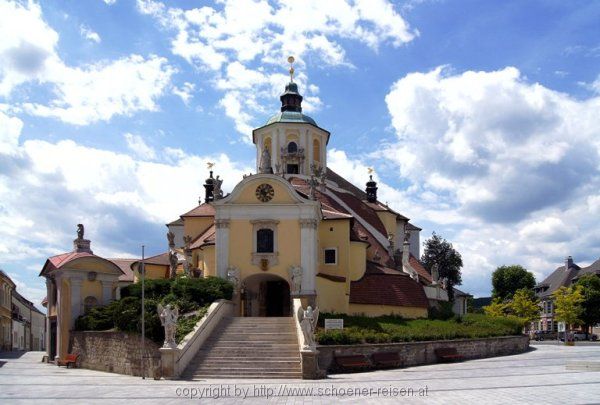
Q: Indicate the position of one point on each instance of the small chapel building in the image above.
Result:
(294, 229)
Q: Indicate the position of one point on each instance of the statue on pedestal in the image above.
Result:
(173, 260)
(168, 319)
(80, 231)
(296, 277)
(308, 323)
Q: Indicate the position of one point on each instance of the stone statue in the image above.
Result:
(407, 237)
(80, 231)
(308, 323)
(168, 319)
(296, 276)
(391, 244)
(171, 239)
(313, 183)
(187, 241)
(218, 191)
(435, 273)
(173, 260)
(265, 162)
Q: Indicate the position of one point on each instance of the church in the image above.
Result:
(295, 229)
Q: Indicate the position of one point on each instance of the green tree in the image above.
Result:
(567, 306)
(506, 280)
(496, 308)
(590, 284)
(524, 305)
(439, 250)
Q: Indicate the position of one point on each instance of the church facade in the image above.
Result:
(294, 229)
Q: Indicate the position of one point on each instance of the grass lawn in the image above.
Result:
(386, 329)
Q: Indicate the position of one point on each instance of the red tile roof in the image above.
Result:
(161, 259)
(203, 210)
(421, 271)
(207, 237)
(385, 286)
(125, 266)
(58, 261)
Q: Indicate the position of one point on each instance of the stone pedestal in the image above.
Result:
(168, 358)
(310, 365)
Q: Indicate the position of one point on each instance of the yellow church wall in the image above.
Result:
(331, 296)
(358, 260)
(153, 272)
(389, 221)
(209, 267)
(241, 247)
(194, 226)
(91, 289)
(379, 310)
(248, 194)
(334, 234)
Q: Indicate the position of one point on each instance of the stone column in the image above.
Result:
(107, 286)
(308, 255)
(276, 153)
(59, 319)
(222, 247)
(75, 299)
(50, 299)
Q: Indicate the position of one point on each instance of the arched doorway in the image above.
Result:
(265, 295)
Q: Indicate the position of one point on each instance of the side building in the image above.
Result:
(28, 324)
(7, 286)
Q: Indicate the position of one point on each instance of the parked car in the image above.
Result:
(544, 335)
(584, 336)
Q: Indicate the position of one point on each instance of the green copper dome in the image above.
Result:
(291, 116)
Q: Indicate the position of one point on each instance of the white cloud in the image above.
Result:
(185, 92)
(87, 33)
(229, 38)
(83, 94)
(139, 147)
(110, 2)
(10, 130)
(100, 91)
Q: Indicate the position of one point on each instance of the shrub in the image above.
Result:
(443, 312)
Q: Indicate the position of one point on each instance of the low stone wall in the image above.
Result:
(419, 353)
(115, 352)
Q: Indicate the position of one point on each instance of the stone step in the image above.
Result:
(249, 354)
(273, 375)
(246, 362)
(242, 370)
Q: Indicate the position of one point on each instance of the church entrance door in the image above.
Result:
(266, 295)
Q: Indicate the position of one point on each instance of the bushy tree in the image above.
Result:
(497, 308)
(567, 306)
(506, 280)
(590, 284)
(524, 305)
(439, 250)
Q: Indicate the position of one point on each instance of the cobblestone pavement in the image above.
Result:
(538, 376)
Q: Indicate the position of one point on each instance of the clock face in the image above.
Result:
(265, 192)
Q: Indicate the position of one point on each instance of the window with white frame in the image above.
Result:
(330, 256)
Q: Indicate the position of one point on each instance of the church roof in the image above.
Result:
(384, 286)
(203, 210)
(61, 260)
(207, 237)
(125, 266)
(291, 116)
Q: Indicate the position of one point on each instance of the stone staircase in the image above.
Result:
(248, 348)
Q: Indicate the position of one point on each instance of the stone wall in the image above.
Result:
(419, 353)
(115, 352)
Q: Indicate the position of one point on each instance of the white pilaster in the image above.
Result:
(276, 152)
(59, 319)
(75, 299)
(308, 255)
(222, 247)
(50, 299)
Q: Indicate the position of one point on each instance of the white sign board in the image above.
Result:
(334, 324)
(561, 326)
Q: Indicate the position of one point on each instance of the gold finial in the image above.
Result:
(370, 170)
(291, 62)
(210, 165)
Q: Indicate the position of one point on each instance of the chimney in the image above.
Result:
(568, 262)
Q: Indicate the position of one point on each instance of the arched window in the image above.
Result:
(316, 150)
(89, 303)
(292, 147)
(264, 241)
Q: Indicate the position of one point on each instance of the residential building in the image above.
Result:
(7, 286)
(28, 324)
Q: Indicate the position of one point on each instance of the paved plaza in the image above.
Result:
(538, 376)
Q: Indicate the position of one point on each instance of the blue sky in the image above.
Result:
(480, 118)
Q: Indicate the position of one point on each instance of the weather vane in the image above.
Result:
(370, 170)
(291, 62)
(210, 165)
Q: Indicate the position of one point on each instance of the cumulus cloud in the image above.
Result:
(87, 33)
(139, 147)
(46, 188)
(82, 94)
(229, 38)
